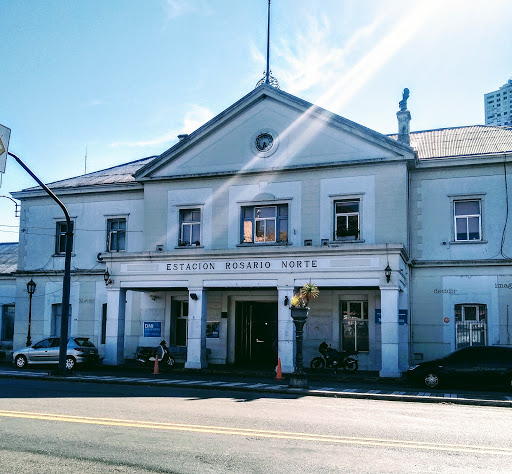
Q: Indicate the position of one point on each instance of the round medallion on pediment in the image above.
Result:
(264, 142)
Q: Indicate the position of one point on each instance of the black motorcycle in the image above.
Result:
(146, 355)
(332, 358)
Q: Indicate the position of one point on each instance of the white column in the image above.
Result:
(196, 343)
(285, 330)
(389, 332)
(114, 340)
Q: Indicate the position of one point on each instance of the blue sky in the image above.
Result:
(122, 78)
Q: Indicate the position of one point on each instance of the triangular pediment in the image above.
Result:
(302, 135)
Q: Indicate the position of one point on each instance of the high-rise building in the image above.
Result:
(498, 105)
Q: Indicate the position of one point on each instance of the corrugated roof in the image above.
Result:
(461, 141)
(120, 174)
(8, 257)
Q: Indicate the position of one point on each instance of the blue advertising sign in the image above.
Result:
(152, 329)
(402, 316)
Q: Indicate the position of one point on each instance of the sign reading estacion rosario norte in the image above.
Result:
(237, 265)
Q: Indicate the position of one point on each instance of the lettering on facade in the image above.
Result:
(85, 301)
(246, 265)
(242, 265)
(191, 266)
(449, 291)
(298, 264)
(508, 286)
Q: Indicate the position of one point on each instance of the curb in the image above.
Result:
(262, 388)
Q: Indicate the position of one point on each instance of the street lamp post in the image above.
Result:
(299, 378)
(66, 281)
(31, 288)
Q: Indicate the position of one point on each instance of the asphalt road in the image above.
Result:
(63, 427)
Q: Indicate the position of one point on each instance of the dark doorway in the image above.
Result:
(256, 334)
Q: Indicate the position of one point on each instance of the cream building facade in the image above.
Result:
(206, 244)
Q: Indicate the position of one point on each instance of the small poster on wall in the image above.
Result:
(213, 329)
(152, 328)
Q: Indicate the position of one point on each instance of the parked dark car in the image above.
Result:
(477, 365)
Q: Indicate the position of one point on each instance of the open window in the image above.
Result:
(60, 236)
(116, 235)
(346, 219)
(264, 224)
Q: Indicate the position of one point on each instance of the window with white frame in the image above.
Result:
(468, 220)
(60, 236)
(190, 227)
(116, 235)
(470, 325)
(354, 326)
(346, 219)
(265, 224)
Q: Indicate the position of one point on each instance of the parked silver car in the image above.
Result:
(80, 351)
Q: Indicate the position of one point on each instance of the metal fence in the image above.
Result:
(470, 333)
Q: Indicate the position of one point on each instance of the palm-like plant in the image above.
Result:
(302, 298)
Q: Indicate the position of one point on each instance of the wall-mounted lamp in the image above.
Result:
(106, 277)
(154, 297)
(286, 300)
(387, 272)
(193, 296)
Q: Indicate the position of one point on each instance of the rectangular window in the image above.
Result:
(470, 325)
(190, 227)
(346, 220)
(116, 235)
(7, 322)
(354, 326)
(264, 224)
(56, 318)
(468, 224)
(60, 237)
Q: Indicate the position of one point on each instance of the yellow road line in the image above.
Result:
(258, 433)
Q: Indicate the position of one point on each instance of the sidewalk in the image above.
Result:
(362, 385)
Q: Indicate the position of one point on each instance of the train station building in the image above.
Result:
(204, 245)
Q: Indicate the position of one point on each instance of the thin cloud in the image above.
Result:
(176, 8)
(308, 59)
(193, 119)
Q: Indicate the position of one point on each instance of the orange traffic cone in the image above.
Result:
(279, 375)
(156, 371)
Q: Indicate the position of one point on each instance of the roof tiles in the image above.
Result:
(8, 257)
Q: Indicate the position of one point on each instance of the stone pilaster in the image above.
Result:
(114, 338)
(389, 332)
(196, 344)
